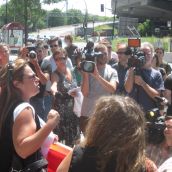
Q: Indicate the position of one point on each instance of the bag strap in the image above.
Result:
(35, 166)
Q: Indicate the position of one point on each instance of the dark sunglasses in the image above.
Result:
(158, 52)
(55, 45)
(59, 59)
(121, 53)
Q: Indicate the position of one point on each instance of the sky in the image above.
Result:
(93, 6)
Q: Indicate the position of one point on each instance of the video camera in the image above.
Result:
(155, 123)
(137, 58)
(89, 56)
(155, 127)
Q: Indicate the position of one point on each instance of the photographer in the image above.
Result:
(147, 83)
(122, 66)
(35, 60)
(163, 150)
(103, 81)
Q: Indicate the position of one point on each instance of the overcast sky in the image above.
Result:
(93, 6)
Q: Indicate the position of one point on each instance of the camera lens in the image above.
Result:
(88, 66)
(32, 55)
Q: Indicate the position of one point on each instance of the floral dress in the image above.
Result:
(68, 128)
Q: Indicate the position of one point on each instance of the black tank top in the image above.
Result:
(6, 144)
(84, 159)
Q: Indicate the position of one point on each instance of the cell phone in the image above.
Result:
(134, 42)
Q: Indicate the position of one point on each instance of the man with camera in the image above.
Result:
(143, 82)
(103, 81)
(121, 67)
(35, 60)
(49, 60)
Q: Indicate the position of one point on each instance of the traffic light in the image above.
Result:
(102, 7)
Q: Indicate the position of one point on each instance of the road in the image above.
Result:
(61, 30)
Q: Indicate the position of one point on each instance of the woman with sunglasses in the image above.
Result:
(63, 81)
(21, 136)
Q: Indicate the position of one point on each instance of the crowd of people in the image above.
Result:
(118, 92)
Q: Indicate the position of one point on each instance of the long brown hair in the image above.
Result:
(9, 93)
(116, 129)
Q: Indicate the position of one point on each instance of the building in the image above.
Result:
(152, 9)
(158, 11)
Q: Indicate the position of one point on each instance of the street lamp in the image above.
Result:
(93, 26)
(25, 20)
(85, 21)
(114, 17)
(6, 10)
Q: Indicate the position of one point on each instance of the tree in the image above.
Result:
(55, 18)
(145, 28)
(18, 9)
(52, 1)
(74, 16)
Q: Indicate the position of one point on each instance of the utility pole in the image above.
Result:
(25, 21)
(85, 21)
(114, 17)
(6, 12)
(66, 11)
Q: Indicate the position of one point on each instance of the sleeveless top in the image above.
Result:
(84, 159)
(7, 149)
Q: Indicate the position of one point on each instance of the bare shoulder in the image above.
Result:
(65, 164)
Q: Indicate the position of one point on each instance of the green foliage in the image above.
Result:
(16, 12)
(102, 27)
(51, 1)
(55, 18)
(38, 18)
(145, 28)
(153, 40)
(74, 16)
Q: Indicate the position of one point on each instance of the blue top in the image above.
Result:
(154, 79)
(121, 70)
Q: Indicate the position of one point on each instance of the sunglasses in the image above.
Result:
(60, 59)
(121, 53)
(157, 52)
(55, 45)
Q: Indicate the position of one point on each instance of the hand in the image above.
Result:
(53, 118)
(34, 61)
(139, 81)
(84, 74)
(95, 74)
(53, 90)
(56, 139)
(73, 94)
(24, 52)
